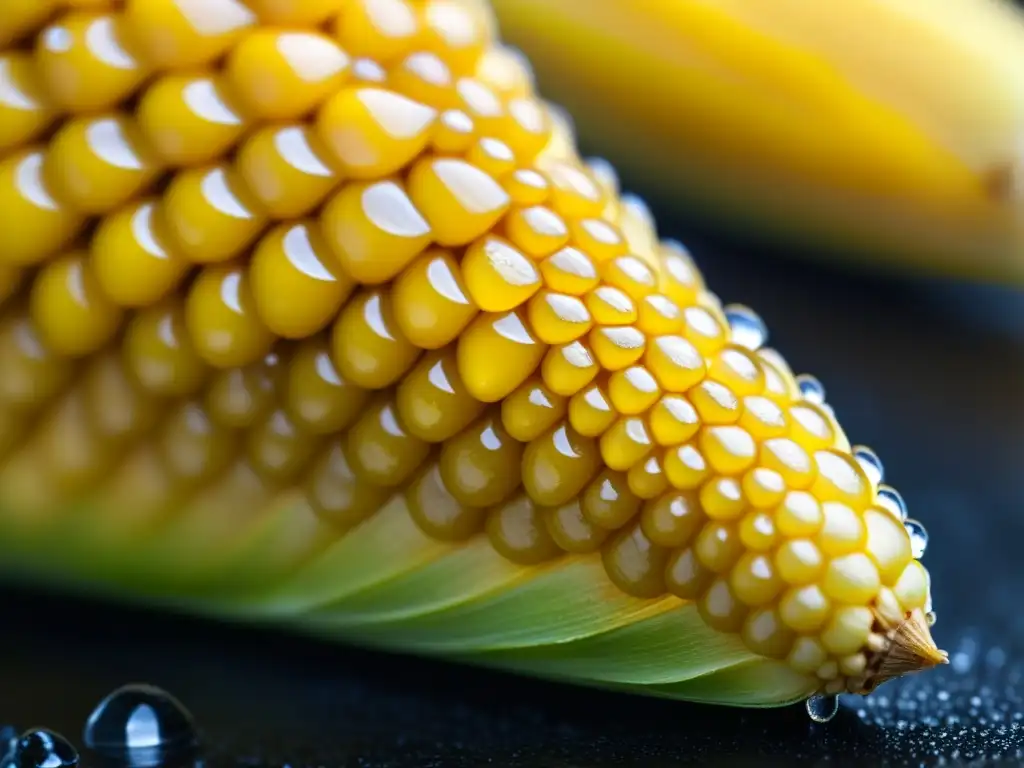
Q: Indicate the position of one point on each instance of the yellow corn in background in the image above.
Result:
(887, 132)
(310, 255)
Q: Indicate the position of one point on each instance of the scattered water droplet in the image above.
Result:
(931, 618)
(821, 709)
(8, 740)
(918, 537)
(812, 390)
(746, 326)
(870, 463)
(889, 499)
(42, 748)
(140, 725)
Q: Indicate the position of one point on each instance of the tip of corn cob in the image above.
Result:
(376, 321)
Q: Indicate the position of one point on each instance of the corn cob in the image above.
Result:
(885, 133)
(311, 313)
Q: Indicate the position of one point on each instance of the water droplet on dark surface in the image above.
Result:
(821, 709)
(141, 725)
(42, 748)
(8, 740)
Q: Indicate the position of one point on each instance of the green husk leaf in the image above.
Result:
(385, 584)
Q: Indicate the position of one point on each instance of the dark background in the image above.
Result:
(930, 375)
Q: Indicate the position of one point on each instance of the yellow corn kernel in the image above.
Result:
(634, 563)
(375, 229)
(647, 479)
(132, 257)
(277, 449)
(607, 501)
(381, 30)
(158, 351)
(558, 465)
(222, 318)
(558, 318)
(286, 170)
(294, 260)
(686, 467)
(366, 344)
(373, 132)
(799, 561)
(569, 271)
(498, 276)
(673, 519)
(799, 514)
(97, 164)
(568, 368)
(381, 451)
(317, 398)
(460, 201)
(238, 398)
(722, 498)
(72, 314)
(537, 230)
(437, 512)
(189, 119)
(181, 34)
(33, 373)
(283, 75)
(532, 410)
(424, 77)
(625, 443)
(194, 449)
(505, 337)
(673, 420)
(757, 531)
(33, 224)
(431, 301)
(685, 576)
(716, 404)
(210, 213)
(590, 410)
(85, 63)
(25, 110)
(763, 488)
(474, 462)
(572, 532)
(517, 531)
(336, 493)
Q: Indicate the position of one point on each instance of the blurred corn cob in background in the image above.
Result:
(312, 314)
(889, 132)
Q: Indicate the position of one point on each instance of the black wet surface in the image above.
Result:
(929, 375)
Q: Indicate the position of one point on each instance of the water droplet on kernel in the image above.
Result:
(870, 463)
(931, 618)
(140, 725)
(812, 390)
(746, 326)
(889, 499)
(918, 537)
(821, 709)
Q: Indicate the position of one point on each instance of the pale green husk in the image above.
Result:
(384, 584)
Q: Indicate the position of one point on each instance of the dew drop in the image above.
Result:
(42, 748)
(931, 618)
(889, 499)
(870, 463)
(140, 725)
(746, 326)
(812, 390)
(8, 740)
(918, 537)
(821, 709)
